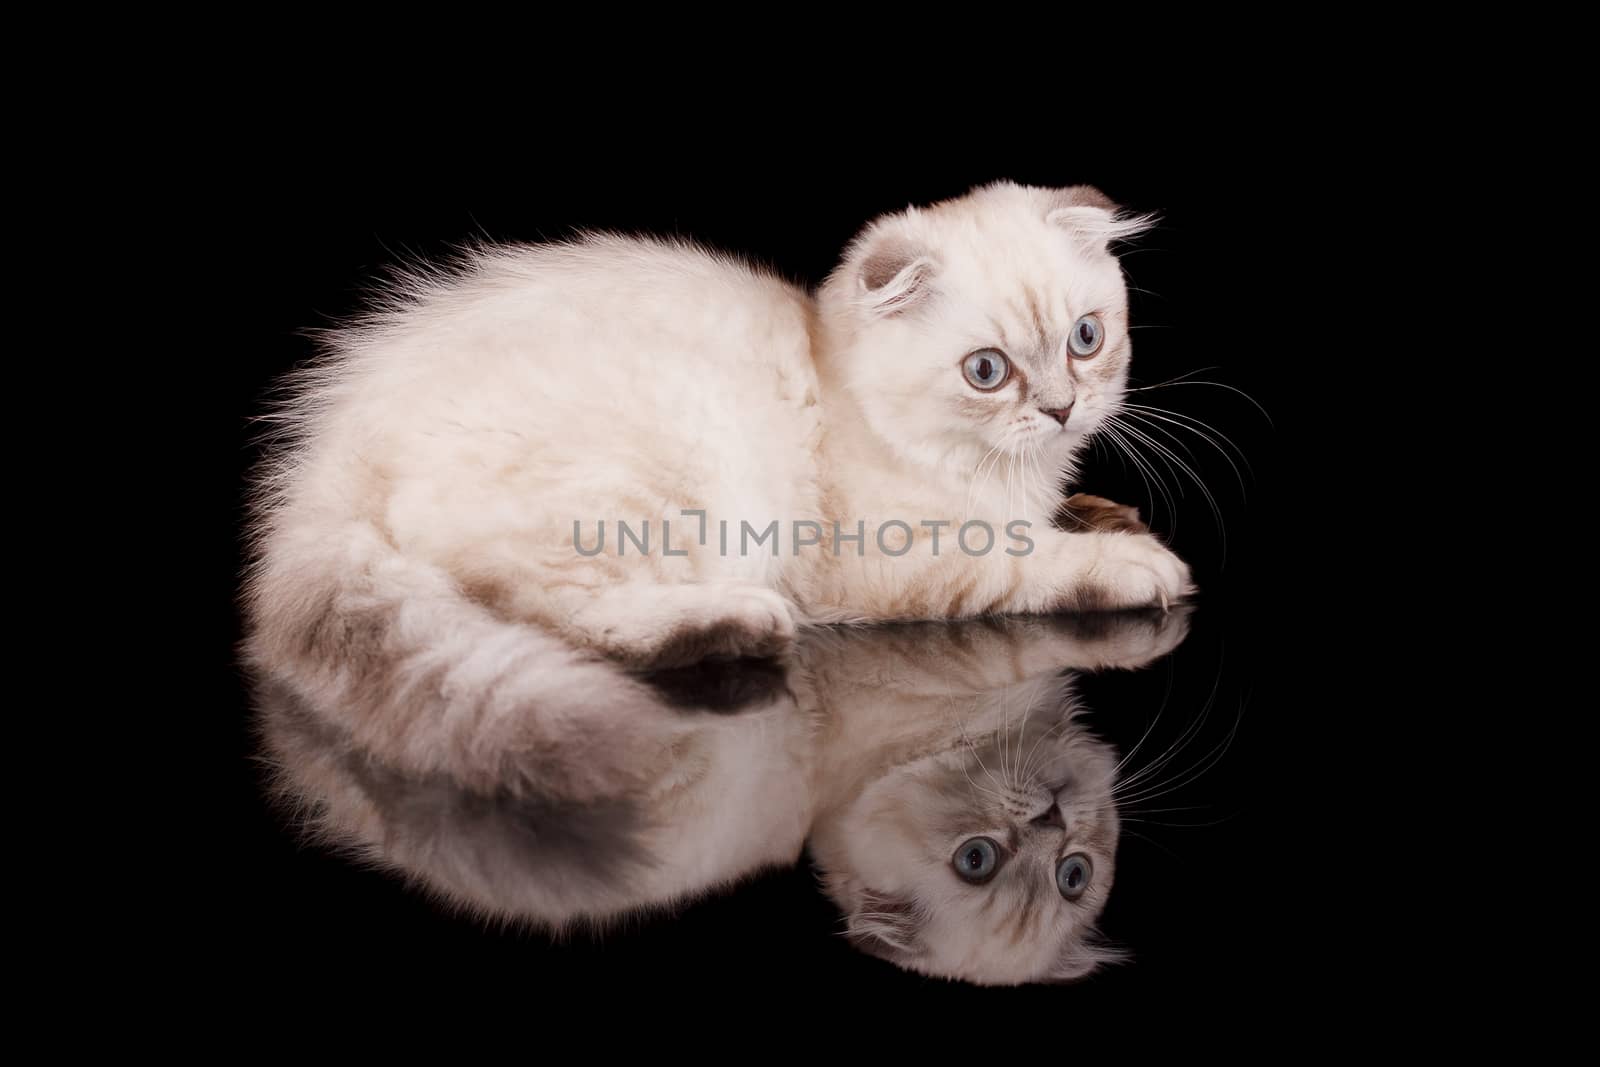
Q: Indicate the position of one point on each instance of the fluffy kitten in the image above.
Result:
(899, 751)
(421, 582)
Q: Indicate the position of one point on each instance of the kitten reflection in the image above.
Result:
(968, 828)
(959, 812)
(722, 795)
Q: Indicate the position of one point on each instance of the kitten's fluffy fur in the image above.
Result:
(418, 586)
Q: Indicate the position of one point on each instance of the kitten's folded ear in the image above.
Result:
(893, 272)
(1092, 218)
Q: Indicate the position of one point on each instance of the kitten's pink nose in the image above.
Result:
(1059, 414)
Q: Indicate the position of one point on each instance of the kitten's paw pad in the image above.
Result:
(1132, 572)
(1080, 511)
(743, 622)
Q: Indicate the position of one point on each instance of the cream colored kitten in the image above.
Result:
(425, 579)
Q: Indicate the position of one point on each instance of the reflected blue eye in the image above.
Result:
(976, 860)
(1073, 875)
(986, 369)
(1086, 337)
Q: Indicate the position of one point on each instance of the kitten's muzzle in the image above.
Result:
(1051, 816)
(1059, 414)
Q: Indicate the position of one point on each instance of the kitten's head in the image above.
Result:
(996, 320)
(960, 865)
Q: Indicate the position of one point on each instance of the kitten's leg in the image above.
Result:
(671, 625)
(1092, 571)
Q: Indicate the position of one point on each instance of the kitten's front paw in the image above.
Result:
(1131, 571)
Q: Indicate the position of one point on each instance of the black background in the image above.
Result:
(1219, 907)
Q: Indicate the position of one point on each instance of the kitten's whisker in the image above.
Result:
(1028, 769)
(1184, 377)
(972, 746)
(1144, 428)
(1175, 464)
(1014, 725)
(1179, 825)
(1205, 490)
(1147, 473)
(977, 789)
(1198, 426)
(1184, 739)
(1109, 434)
(1211, 500)
(1152, 841)
(1123, 762)
(1185, 380)
(1035, 479)
(998, 452)
(1145, 416)
(972, 484)
(1011, 469)
(1119, 435)
(1030, 475)
(1119, 790)
(1005, 736)
(1195, 770)
(1168, 457)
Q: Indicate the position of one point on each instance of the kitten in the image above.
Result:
(958, 811)
(966, 821)
(423, 582)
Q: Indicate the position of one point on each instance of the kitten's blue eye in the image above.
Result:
(977, 859)
(1073, 874)
(1086, 336)
(986, 369)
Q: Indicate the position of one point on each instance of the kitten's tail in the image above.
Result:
(390, 654)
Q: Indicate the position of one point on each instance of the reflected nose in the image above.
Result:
(1059, 414)
(1051, 816)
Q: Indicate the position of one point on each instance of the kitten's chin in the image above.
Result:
(1056, 441)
